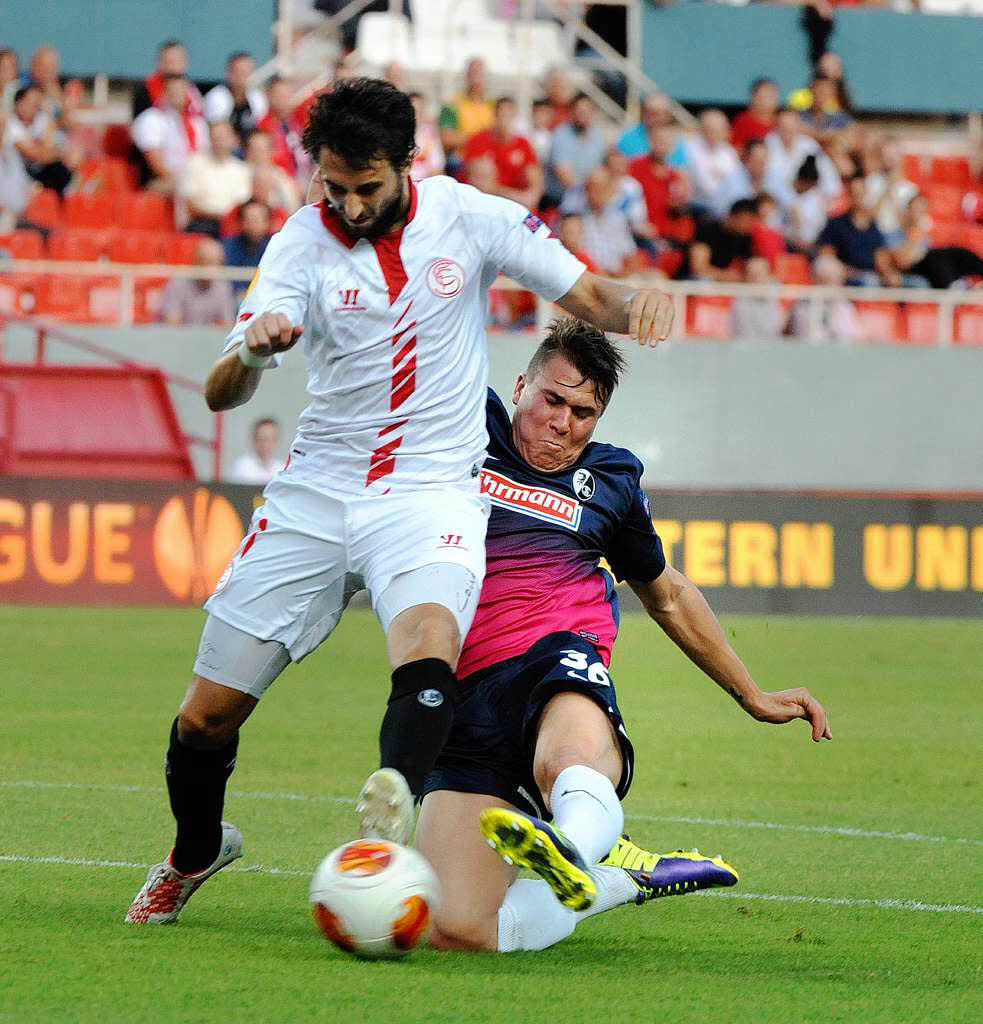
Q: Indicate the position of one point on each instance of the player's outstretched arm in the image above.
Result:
(235, 377)
(644, 313)
(683, 613)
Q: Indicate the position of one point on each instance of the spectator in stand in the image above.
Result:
(166, 136)
(628, 196)
(32, 131)
(15, 183)
(204, 300)
(804, 216)
(9, 78)
(234, 100)
(720, 249)
(607, 234)
(889, 193)
(429, 157)
(541, 133)
(518, 175)
(656, 113)
(465, 115)
(285, 126)
(172, 59)
(819, 120)
(758, 119)
(757, 317)
(395, 74)
(264, 191)
(920, 263)
(59, 103)
(259, 157)
(578, 148)
(827, 319)
(746, 181)
(830, 65)
(711, 159)
(767, 238)
(657, 178)
(246, 249)
(261, 463)
(855, 240)
(560, 95)
(213, 182)
(571, 235)
(787, 147)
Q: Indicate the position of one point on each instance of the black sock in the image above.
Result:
(418, 719)
(196, 783)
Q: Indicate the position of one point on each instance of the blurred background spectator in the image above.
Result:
(246, 248)
(856, 241)
(166, 135)
(578, 147)
(656, 113)
(285, 126)
(212, 182)
(758, 317)
(15, 184)
(283, 191)
(888, 191)
(35, 135)
(710, 158)
(234, 100)
(429, 157)
(827, 319)
(758, 119)
(720, 249)
(172, 59)
(804, 213)
(607, 234)
(262, 462)
(469, 112)
(200, 300)
(922, 264)
(517, 174)
(9, 78)
(571, 234)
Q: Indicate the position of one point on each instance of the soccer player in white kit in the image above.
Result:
(384, 287)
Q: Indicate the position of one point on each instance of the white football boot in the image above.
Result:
(385, 807)
(166, 890)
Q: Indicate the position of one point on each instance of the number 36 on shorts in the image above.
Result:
(577, 662)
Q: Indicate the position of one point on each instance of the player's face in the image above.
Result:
(555, 414)
(370, 201)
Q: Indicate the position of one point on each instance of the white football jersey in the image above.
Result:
(394, 330)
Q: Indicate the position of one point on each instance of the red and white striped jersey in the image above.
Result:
(394, 330)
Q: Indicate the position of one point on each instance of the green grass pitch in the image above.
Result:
(861, 894)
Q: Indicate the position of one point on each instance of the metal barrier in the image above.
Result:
(937, 309)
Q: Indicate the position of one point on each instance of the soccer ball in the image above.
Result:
(374, 898)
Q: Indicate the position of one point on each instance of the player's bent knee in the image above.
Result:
(205, 730)
(464, 931)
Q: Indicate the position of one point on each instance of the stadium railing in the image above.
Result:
(124, 294)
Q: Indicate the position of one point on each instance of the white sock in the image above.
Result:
(531, 917)
(587, 811)
(614, 889)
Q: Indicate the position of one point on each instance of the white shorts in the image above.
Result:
(307, 551)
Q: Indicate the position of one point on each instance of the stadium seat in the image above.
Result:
(921, 323)
(946, 233)
(538, 46)
(913, 168)
(146, 211)
(971, 236)
(181, 248)
(44, 210)
(383, 38)
(78, 244)
(491, 41)
(89, 211)
(64, 297)
(950, 170)
(104, 174)
(116, 141)
(967, 326)
(709, 316)
(22, 245)
(793, 268)
(880, 321)
(19, 294)
(944, 202)
(138, 247)
(148, 293)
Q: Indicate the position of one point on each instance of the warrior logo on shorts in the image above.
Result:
(430, 698)
(445, 278)
(583, 484)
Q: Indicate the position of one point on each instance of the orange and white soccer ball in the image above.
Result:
(374, 898)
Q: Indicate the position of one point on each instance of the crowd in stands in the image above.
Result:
(795, 191)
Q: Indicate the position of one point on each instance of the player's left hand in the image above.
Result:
(786, 705)
(650, 316)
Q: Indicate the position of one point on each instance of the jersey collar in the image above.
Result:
(334, 224)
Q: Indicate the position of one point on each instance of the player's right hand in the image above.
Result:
(271, 332)
(787, 705)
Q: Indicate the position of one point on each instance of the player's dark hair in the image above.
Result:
(24, 90)
(758, 82)
(237, 55)
(169, 44)
(265, 421)
(586, 348)
(580, 96)
(361, 120)
(504, 99)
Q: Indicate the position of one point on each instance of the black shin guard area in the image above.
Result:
(196, 783)
(418, 719)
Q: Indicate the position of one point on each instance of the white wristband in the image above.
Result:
(254, 362)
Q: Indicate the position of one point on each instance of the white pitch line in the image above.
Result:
(844, 831)
(770, 897)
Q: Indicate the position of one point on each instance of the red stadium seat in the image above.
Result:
(181, 248)
(44, 210)
(148, 293)
(880, 321)
(138, 247)
(708, 316)
(950, 170)
(105, 174)
(77, 299)
(967, 327)
(89, 211)
(945, 234)
(19, 294)
(921, 321)
(116, 140)
(23, 245)
(944, 202)
(79, 244)
(793, 268)
(971, 236)
(146, 211)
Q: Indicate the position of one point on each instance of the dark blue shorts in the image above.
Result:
(493, 740)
